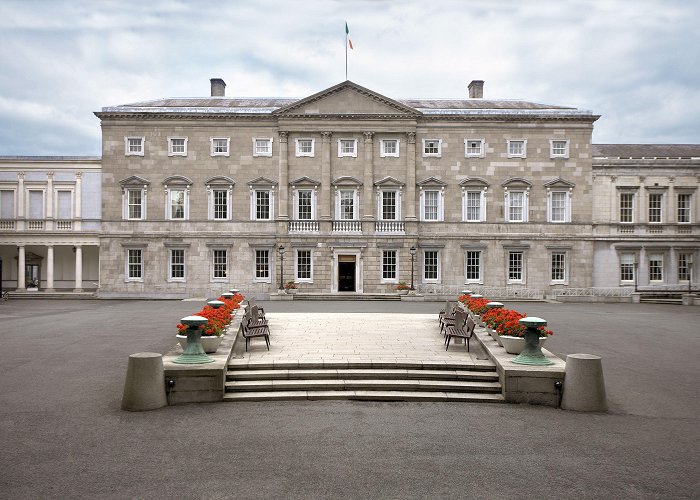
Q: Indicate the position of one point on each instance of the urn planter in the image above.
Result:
(210, 343)
(515, 345)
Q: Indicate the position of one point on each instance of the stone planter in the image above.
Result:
(495, 337)
(292, 291)
(403, 292)
(209, 343)
(515, 345)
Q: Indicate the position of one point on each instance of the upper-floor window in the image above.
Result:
(7, 204)
(347, 147)
(64, 204)
(262, 204)
(36, 204)
(559, 149)
(559, 207)
(347, 204)
(627, 267)
(389, 205)
(517, 148)
(684, 212)
(220, 204)
(177, 146)
(304, 147)
(389, 147)
(177, 201)
(431, 266)
(474, 147)
(516, 206)
(177, 264)
(655, 204)
(262, 146)
(431, 205)
(474, 209)
(133, 146)
(627, 207)
(432, 147)
(305, 204)
(220, 146)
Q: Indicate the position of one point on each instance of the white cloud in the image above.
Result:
(632, 62)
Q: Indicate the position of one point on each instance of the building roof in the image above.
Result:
(50, 158)
(646, 151)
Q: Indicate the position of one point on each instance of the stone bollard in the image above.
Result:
(144, 388)
(584, 387)
(687, 299)
(636, 297)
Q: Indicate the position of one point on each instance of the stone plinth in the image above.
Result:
(144, 388)
(584, 387)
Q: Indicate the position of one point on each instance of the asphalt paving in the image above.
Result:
(63, 435)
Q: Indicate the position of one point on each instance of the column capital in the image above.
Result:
(78, 175)
(283, 135)
(326, 136)
(411, 137)
(368, 136)
(20, 175)
(49, 175)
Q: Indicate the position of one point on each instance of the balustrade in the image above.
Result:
(303, 226)
(389, 226)
(347, 226)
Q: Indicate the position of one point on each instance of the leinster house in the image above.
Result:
(350, 192)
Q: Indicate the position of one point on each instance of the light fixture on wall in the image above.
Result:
(73, 249)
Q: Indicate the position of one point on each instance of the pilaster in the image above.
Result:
(368, 178)
(411, 177)
(283, 194)
(325, 201)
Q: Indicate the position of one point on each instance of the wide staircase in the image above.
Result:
(349, 380)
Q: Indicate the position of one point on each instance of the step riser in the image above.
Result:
(241, 375)
(331, 365)
(341, 385)
(387, 396)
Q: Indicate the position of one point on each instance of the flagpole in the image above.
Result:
(346, 51)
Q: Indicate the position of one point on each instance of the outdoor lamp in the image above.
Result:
(412, 250)
(281, 252)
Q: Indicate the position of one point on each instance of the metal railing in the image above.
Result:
(347, 226)
(303, 226)
(490, 292)
(593, 292)
(389, 226)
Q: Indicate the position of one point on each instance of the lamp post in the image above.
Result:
(413, 259)
(690, 276)
(281, 252)
(636, 268)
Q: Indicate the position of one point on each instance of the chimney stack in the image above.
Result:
(476, 89)
(218, 87)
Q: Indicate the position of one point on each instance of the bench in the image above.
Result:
(462, 329)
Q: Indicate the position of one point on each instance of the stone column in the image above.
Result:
(21, 283)
(283, 194)
(325, 201)
(411, 177)
(78, 269)
(368, 178)
(49, 269)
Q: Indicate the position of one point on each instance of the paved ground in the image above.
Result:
(62, 435)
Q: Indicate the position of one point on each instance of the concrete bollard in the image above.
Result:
(144, 388)
(584, 387)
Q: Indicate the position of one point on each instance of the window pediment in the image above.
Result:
(177, 180)
(474, 182)
(388, 182)
(220, 180)
(262, 182)
(346, 181)
(559, 183)
(431, 182)
(134, 181)
(305, 182)
(517, 182)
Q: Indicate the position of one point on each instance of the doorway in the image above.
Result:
(346, 273)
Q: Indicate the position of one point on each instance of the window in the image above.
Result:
(474, 206)
(177, 264)
(474, 147)
(517, 149)
(346, 204)
(627, 267)
(36, 204)
(262, 204)
(134, 264)
(304, 204)
(219, 264)
(7, 204)
(626, 207)
(655, 202)
(347, 147)
(656, 268)
(389, 266)
(133, 146)
(177, 146)
(558, 267)
(305, 147)
(516, 208)
(684, 259)
(262, 266)
(303, 266)
(559, 206)
(431, 205)
(220, 204)
(473, 266)
(177, 201)
(135, 206)
(389, 147)
(64, 205)
(220, 146)
(515, 267)
(684, 207)
(262, 146)
(559, 149)
(431, 262)
(432, 147)
(389, 205)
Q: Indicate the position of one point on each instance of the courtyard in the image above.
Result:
(63, 365)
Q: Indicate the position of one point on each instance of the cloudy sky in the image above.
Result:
(635, 62)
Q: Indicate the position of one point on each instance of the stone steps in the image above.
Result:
(347, 296)
(380, 380)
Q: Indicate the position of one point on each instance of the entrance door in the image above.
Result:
(346, 273)
(31, 275)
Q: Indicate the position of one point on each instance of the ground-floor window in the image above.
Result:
(303, 265)
(656, 268)
(262, 265)
(473, 267)
(134, 264)
(177, 264)
(683, 268)
(389, 265)
(558, 267)
(627, 267)
(431, 263)
(515, 267)
(220, 264)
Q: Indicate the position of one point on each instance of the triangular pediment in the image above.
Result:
(177, 180)
(262, 182)
(347, 181)
(220, 180)
(517, 182)
(304, 181)
(431, 182)
(388, 182)
(559, 183)
(134, 180)
(347, 98)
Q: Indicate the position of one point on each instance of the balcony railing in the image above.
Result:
(347, 226)
(35, 225)
(303, 226)
(389, 226)
(64, 225)
(7, 225)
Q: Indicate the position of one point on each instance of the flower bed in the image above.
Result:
(218, 318)
(504, 321)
